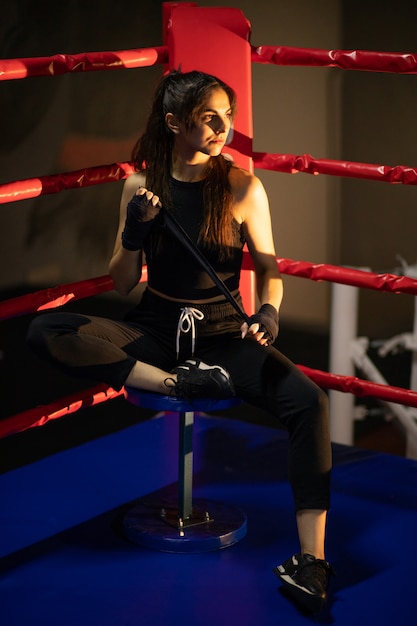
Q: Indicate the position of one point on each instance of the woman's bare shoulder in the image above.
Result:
(135, 180)
(242, 182)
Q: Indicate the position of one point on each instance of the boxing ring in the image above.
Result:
(61, 545)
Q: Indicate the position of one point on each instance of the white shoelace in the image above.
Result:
(186, 323)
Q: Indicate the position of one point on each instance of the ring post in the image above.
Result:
(189, 32)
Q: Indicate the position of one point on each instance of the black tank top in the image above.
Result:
(171, 268)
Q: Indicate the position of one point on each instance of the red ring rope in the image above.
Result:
(11, 69)
(34, 187)
(291, 164)
(342, 59)
(53, 297)
(288, 163)
(41, 415)
(400, 63)
(349, 276)
(359, 387)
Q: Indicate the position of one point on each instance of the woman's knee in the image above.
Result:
(320, 399)
(305, 402)
(314, 399)
(36, 332)
(43, 328)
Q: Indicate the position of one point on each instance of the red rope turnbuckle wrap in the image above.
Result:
(12, 69)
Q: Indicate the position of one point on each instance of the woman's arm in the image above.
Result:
(252, 208)
(125, 266)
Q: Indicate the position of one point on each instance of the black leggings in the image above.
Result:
(106, 350)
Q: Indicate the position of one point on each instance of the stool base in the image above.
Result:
(153, 523)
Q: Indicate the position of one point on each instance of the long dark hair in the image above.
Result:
(185, 95)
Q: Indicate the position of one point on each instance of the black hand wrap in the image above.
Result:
(268, 319)
(140, 217)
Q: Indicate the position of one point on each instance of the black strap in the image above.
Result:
(177, 230)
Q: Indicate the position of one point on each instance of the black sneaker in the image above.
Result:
(306, 580)
(196, 379)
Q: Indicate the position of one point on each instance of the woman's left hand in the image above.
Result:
(254, 330)
(263, 326)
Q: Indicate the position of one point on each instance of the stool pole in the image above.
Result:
(179, 522)
(185, 466)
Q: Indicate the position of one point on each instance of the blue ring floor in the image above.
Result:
(65, 561)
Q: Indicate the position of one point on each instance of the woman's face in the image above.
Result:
(212, 127)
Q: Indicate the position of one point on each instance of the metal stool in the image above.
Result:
(182, 524)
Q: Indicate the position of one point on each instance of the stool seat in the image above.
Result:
(182, 524)
(159, 402)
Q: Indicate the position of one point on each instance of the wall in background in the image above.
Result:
(379, 220)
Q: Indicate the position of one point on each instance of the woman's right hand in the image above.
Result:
(144, 206)
(141, 212)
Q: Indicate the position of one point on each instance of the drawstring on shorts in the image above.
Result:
(186, 323)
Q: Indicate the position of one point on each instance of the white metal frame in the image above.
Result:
(348, 351)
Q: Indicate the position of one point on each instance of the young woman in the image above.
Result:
(185, 337)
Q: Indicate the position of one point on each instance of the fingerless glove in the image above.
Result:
(140, 218)
(268, 319)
